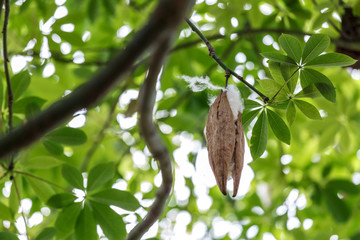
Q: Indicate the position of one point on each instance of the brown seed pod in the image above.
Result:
(225, 143)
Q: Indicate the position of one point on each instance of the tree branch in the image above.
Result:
(6, 63)
(164, 19)
(153, 140)
(221, 64)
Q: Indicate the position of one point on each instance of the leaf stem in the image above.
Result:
(220, 63)
(40, 179)
(281, 88)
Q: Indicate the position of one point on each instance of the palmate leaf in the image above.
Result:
(291, 45)
(290, 113)
(61, 200)
(100, 174)
(331, 60)
(46, 234)
(276, 73)
(278, 126)
(117, 198)
(277, 57)
(259, 136)
(72, 176)
(322, 83)
(248, 117)
(336, 206)
(67, 136)
(8, 236)
(19, 83)
(271, 87)
(85, 227)
(65, 222)
(343, 186)
(308, 109)
(110, 222)
(316, 44)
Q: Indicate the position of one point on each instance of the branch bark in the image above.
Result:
(153, 140)
(6, 63)
(164, 19)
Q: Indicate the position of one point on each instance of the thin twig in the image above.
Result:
(6, 63)
(153, 140)
(163, 20)
(101, 134)
(221, 64)
(19, 199)
(286, 82)
(40, 179)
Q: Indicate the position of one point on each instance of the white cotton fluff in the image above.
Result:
(198, 84)
(235, 100)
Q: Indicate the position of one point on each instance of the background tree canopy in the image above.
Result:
(83, 152)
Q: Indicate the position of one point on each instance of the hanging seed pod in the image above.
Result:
(225, 142)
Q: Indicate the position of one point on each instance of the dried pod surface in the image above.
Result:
(225, 142)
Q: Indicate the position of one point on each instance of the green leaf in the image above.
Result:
(276, 72)
(93, 10)
(308, 92)
(20, 83)
(316, 44)
(65, 222)
(320, 19)
(308, 109)
(343, 186)
(331, 60)
(336, 206)
(46, 234)
(42, 189)
(290, 74)
(110, 6)
(67, 136)
(8, 236)
(100, 174)
(20, 105)
(110, 222)
(291, 46)
(85, 227)
(61, 200)
(13, 199)
(278, 127)
(271, 87)
(53, 147)
(258, 139)
(41, 162)
(5, 213)
(248, 117)
(73, 176)
(250, 104)
(31, 110)
(322, 83)
(290, 113)
(277, 57)
(117, 198)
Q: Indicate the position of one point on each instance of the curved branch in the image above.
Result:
(153, 139)
(164, 19)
